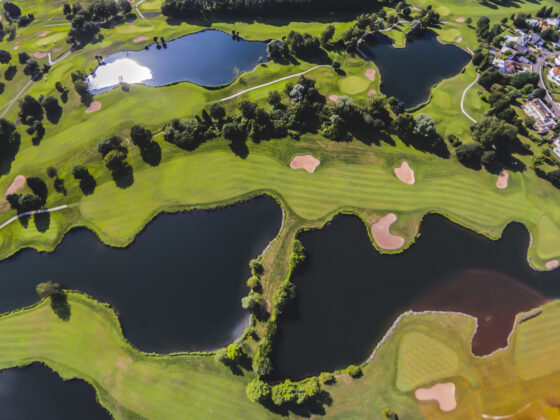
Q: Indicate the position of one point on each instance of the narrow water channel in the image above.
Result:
(348, 294)
(178, 287)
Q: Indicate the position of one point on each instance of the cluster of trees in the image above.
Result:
(296, 44)
(86, 180)
(149, 149)
(254, 301)
(58, 182)
(251, 8)
(12, 13)
(287, 393)
(23, 203)
(80, 86)
(114, 155)
(31, 67)
(231, 355)
(8, 137)
(32, 111)
(86, 21)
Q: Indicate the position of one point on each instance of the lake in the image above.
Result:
(409, 73)
(36, 392)
(349, 295)
(208, 58)
(178, 287)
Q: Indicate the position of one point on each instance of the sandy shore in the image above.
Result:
(17, 183)
(405, 173)
(383, 238)
(307, 162)
(444, 394)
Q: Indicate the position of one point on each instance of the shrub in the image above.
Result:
(286, 293)
(298, 254)
(454, 140)
(354, 371)
(253, 282)
(326, 378)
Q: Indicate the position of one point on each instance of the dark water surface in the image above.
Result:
(177, 287)
(348, 294)
(207, 58)
(408, 73)
(36, 392)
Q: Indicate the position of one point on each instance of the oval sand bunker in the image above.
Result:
(94, 106)
(383, 238)
(552, 264)
(444, 394)
(17, 183)
(503, 180)
(405, 173)
(307, 162)
(370, 74)
(140, 39)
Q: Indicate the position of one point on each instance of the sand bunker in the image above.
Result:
(405, 173)
(503, 180)
(370, 74)
(307, 162)
(372, 92)
(334, 98)
(16, 47)
(552, 264)
(460, 19)
(94, 106)
(39, 54)
(17, 183)
(458, 39)
(44, 33)
(383, 238)
(140, 39)
(444, 394)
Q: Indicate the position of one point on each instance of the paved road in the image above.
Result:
(138, 10)
(541, 70)
(463, 99)
(29, 213)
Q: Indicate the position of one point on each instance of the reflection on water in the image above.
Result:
(123, 70)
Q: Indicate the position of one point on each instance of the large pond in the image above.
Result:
(207, 58)
(408, 73)
(36, 392)
(178, 287)
(348, 294)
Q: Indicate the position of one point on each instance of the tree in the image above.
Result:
(274, 50)
(252, 301)
(217, 111)
(326, 378)
(488, 158)
(327, 35)
(307, 390)
(5, 57)
(30, 202)
(492, 131)
(80, 172)
(284, 393)
(235, 353)
(109, 144)
(8, 135)
(425, 126)
(274, 98)
(52, 108)
(469, 154)
(30, 110)
(258, 391)
(31, 67)
(47, 289)
(140, 136)
(354, 371)
(114, 160)
(23, 57)
(248, 109)
(52, 172)
(416, 28)
(404, 125)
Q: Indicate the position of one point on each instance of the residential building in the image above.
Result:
(554, 75)
(544, 118)
(536, 40)
(557, 60)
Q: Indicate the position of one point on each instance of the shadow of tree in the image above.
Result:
(124, 177)
(151, 153)
(88, 184)
(42, 221)
(9, 155)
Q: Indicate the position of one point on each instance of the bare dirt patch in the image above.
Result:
(140, 39)
(334, 98)
(383, 238)
(503, 180)
(17, 183)
(39, 54)
(44, 33)
(552, 264)
(307, 162)
(460, 19)
(94, 106)
(405, 173)
(444, 394)
(370, 74)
